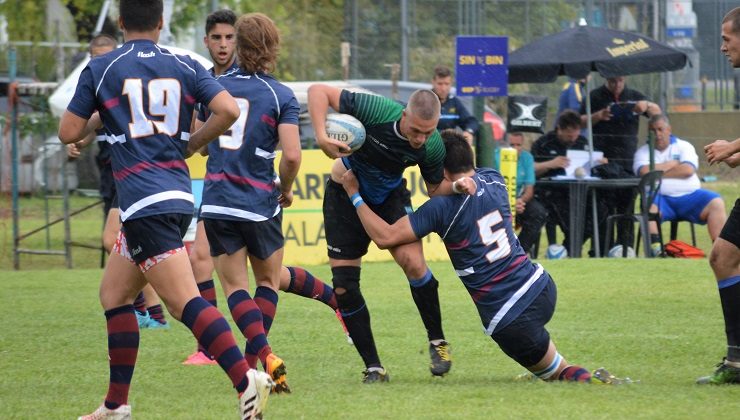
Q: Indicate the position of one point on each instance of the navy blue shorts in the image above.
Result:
(261, 239)
(151, 236)
(731, 230)
(525, 339)
(346, 239)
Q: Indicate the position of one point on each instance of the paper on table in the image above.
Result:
(579, 158)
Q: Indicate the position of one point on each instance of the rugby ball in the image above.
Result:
(347, 129)
(556, 252)
(616, 252)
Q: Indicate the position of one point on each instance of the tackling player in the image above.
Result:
(145, 96)
(515, 297)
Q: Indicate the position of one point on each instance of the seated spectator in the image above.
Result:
(550, 160)
(531, 215)
(681, 196)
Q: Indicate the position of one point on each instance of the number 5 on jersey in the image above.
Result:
(489, 236)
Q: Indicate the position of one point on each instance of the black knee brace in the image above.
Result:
(346, 277)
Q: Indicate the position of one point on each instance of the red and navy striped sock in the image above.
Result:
(140, 303)
(213, 333)
(208, 292)
(248, 318)
(266, 300)
(156, 313)
(123, 346)
(575, 373)
(303, 283)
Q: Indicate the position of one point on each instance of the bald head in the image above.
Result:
(424, 104)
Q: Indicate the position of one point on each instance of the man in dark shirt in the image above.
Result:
(550, 160)
(454, 113)
(615, 125)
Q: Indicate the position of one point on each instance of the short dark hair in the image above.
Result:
(734, 16)
(442, 71)
(103, 40)
(140, 15)
(220, 16)
(569, 119)
(459, 155)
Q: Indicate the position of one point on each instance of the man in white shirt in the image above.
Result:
(681, 196)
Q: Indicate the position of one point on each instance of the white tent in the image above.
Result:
(59, 100)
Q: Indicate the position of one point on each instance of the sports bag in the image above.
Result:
(680, 249)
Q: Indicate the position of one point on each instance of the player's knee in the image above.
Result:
(345, 279)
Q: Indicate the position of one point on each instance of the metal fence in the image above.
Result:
(410, 39)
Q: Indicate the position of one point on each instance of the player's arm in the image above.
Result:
(290, 161)
(384, 235)
(320, 98)
(464, 185)
(73, 128)
(224, 111)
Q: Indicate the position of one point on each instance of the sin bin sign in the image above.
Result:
(481, 69)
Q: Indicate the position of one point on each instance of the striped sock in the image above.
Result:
(155, 313)
(248, 318)
(208, 292)
(123, 346)
(303, 283)
(575, 373)
(213, 333)
(267, 300)
(140, 303)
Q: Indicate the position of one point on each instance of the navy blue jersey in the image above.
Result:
(240, 173)
(145, 96)
(202, 110)
(380, 162)
(483, 248)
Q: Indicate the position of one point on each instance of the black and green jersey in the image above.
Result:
(380, 162)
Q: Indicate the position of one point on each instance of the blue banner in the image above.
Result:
(481, 65)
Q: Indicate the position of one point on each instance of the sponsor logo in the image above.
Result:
(343, 137)
(526, 118)
(335, 249)
(379, 143)
(136, 251)
(145, 55)
(627, 49)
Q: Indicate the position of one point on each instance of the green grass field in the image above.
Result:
(658, 321)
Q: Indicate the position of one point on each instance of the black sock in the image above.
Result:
(729, 295)
(355, 314)
(426, 297)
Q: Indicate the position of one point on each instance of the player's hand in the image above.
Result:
(350, 183)
(603, 115)
(733, 161)
(285, 199)
(520, 206)
(718, 151)
(74, 150)
(332, 148)
(468, 136)
(464, 185)
(560, 162)
(640, 107)
(203, 151)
